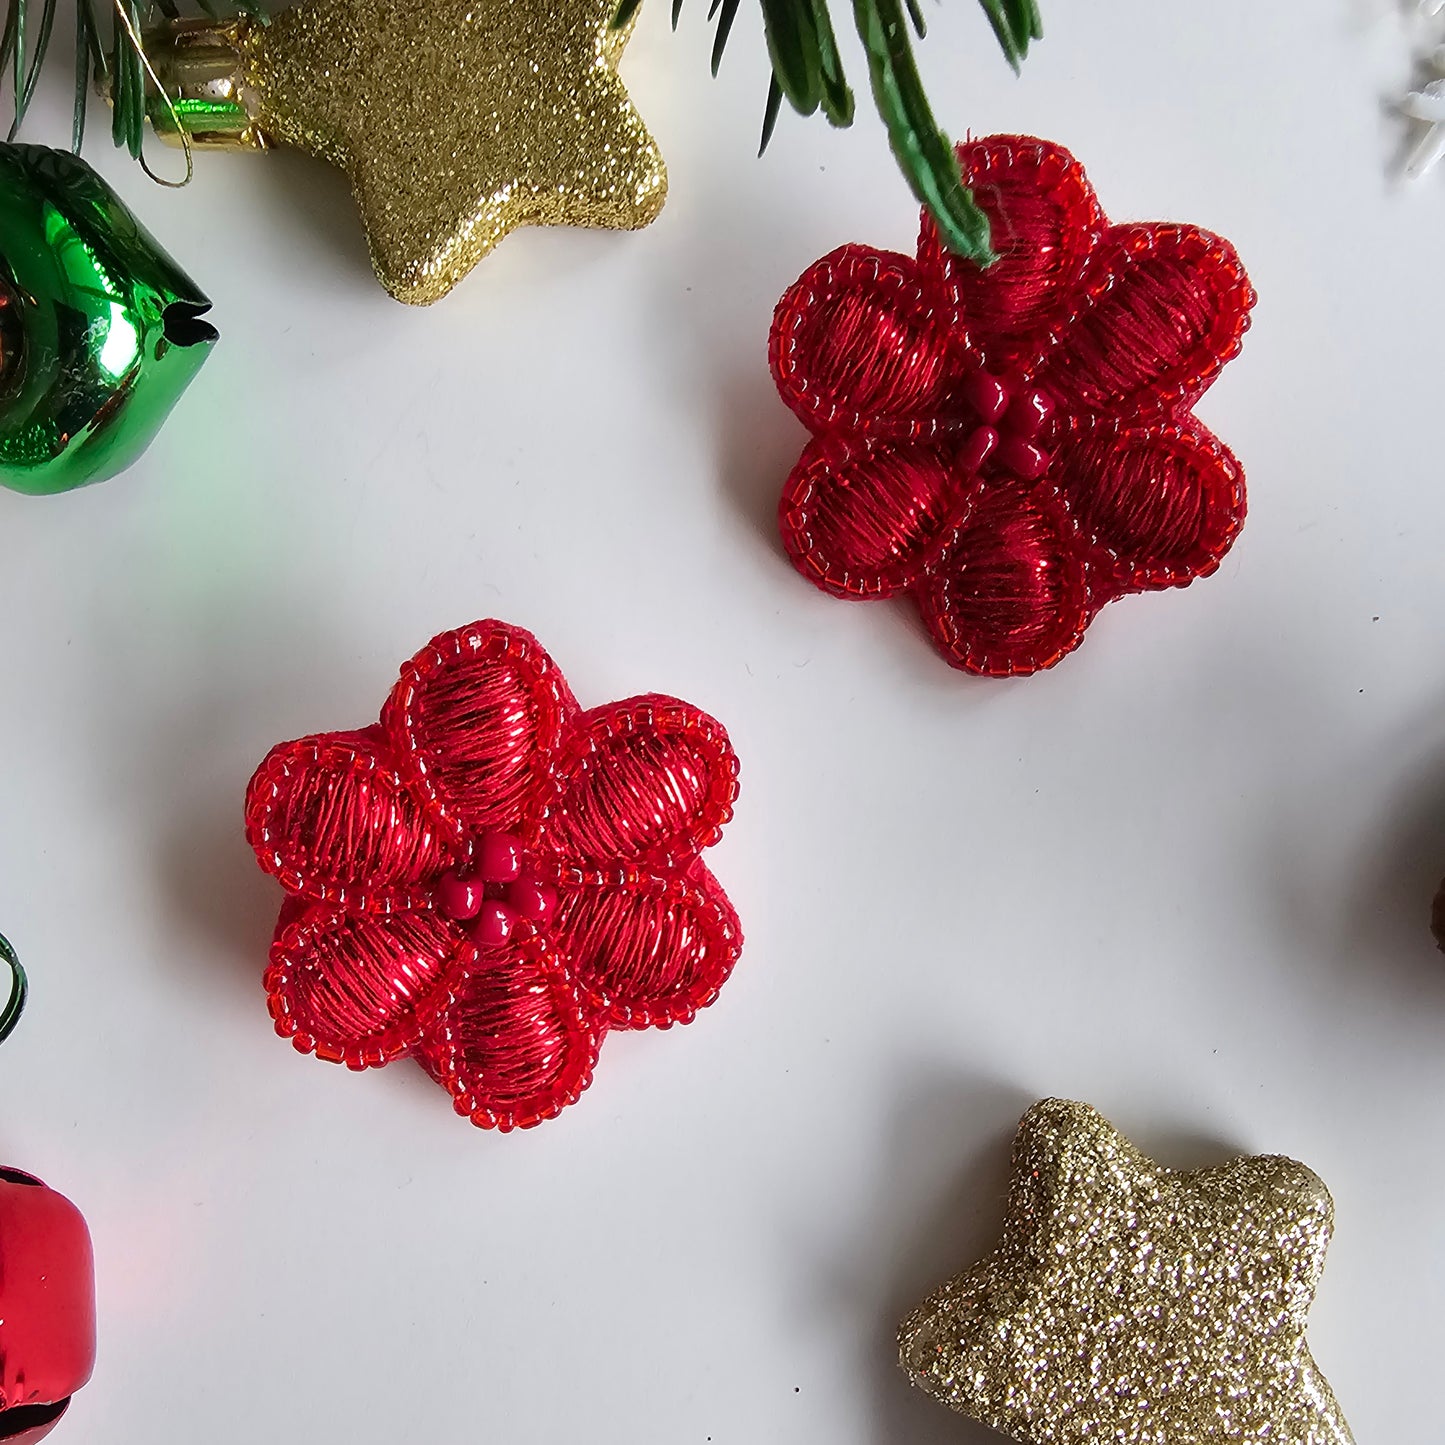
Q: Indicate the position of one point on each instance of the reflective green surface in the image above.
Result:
(100, 331)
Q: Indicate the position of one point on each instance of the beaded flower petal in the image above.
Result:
(490, 878)
(1013, 447)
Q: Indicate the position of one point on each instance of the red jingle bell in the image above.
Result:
(47, 1307)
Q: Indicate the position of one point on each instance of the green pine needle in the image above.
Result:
(119, 86)
(7, 38)
(1030, 20)
(727, 12)
(770, 112)
(924, 154)
(1004, 31)
(17, 36)
(82, 75)
(807, 71)
(791, 30)
(837, 96)
(32, 76)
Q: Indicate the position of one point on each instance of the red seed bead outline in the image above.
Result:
(1209, 255)
(984, 162)
(280, 766)
(830, 453)
(722, 921)
(1189, 437)
(982, 661)
(394, 1042)
(841, 267)
(661, 716)
(569, 748)
(479, 642)
(924, 288)
(438, 1051)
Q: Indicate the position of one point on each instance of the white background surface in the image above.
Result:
(1185, 876)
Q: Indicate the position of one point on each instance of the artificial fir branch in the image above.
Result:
(923, 152)
(807, 71)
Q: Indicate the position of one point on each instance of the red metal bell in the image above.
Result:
(47, 1307)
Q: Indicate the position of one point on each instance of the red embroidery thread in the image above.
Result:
(1013, 447)
(489, 878)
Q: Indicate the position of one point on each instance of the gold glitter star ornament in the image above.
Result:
(456, 120)
(1136, 1305)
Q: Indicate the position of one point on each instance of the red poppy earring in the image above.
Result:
(1013, 447)
(47, 1284)
(489, 878)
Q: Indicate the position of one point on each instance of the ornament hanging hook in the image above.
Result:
(133, 36)
(19, 990)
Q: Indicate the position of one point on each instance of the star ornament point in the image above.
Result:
(458, 121)
(1133, 1303)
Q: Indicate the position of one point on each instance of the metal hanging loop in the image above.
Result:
(16, 992)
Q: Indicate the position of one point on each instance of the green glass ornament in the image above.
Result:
(100, 331)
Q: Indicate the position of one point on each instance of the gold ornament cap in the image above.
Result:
(201, 67)
(1134, 1304)
(456, 120)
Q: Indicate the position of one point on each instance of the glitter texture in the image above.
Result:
(459, 120)
(1134, 1304)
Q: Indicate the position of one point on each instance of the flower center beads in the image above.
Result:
(494, 891)
(1013, 416)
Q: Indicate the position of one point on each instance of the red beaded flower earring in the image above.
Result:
(1014, 447)
(490, 878)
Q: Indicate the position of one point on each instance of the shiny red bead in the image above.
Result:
(532, 899)
(1029, 412)
(47, 1306)
(494, 925)
(977, 449)
(499, 857)
(987, 395)
(459, 896)
(1021, 458)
